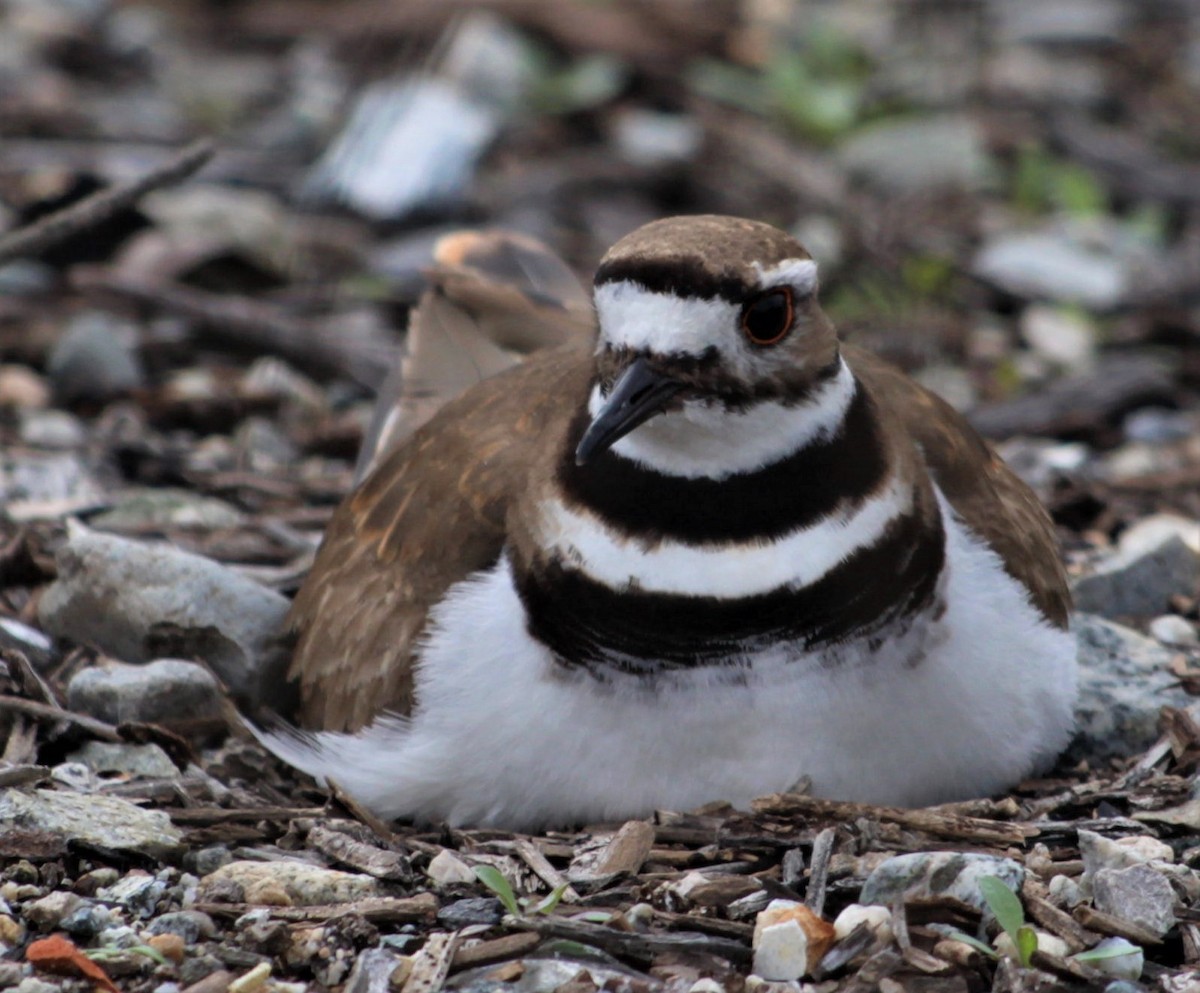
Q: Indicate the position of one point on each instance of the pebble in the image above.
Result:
(1099, 853)
(930, 874)
(190, 925)
(1065, 337)
(48, 912)
(12, 932)
(446, 868)
(253, 980)
(1137, 581)
(878, 920)
(1150, 532)
(1138, 894)
(86, 922)
(103, 822)
(1128, 966)
(137, 892)
(164, 508)
(139, 761)
(52, 429)
(31, 984)
(903, 155)
(789, 940)
(1048, 265)
(656, 138)
(1065, 23)
(1171, 629)
(287, 884)
(170, 945)
(1159, 426)
(208, 860)
(372, 971)
(158, 692)
(95, 359)
(1049, 943)
(116, 594)
(1124, 678)
(29, 641)
(22, 388)
(476, 910)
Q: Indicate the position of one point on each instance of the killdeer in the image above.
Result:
(710, 554)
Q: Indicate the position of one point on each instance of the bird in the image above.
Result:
(702, 550)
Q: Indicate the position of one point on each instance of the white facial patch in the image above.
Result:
(706, 440)
(635, 318)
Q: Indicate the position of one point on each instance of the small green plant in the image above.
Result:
(494, 880)
(1005, 905)
(111, 954)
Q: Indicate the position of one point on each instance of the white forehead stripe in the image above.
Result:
(708, 441)
(731, 570)
(798, 273)
(633, 317)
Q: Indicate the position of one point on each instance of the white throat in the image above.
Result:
(706, 440)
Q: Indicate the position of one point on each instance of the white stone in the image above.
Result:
(1065, 892)
(1099, 852)
(1046, 942)
(1150, 532)
(1128, 966)
(1171, 629)
(706, 985)
(781, 951)
(446, 867)
(1062, 336)
(877, 918)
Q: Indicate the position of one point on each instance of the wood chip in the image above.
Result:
(628, 849)
(377, 862)
(634, 945)
(532, 856)
(1109, 924)
(497, 950)
(431, 965)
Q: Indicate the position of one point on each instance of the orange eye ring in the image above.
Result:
(767, 319)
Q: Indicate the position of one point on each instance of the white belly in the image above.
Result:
(961, 706)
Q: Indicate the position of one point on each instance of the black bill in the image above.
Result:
(638, 395)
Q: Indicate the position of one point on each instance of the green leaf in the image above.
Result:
(1119, 948)
(494, 880)
(550, 901)
(1004, 905)
(1026, 944)
(966, 939)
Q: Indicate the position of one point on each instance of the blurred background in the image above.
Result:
(1002, 196)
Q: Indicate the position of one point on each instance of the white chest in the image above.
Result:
(959, 706)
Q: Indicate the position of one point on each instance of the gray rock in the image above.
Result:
(99, 821)
(135, 601)
(1063, 23)
(207, 860)
(1159, 426)
(303, 884)
(159, 692)
(52, 429)
(1052, 266)
(926, 874)
(476, 910)
(140, 761)
(1139, 894)
(95, 359)
(137, 893)
(85, 923)
(190, 925)
(43, 485)
(1139, 582)
(48, 912)
(372, 971)
(166, 507)
(1124, 678)
(911, 154)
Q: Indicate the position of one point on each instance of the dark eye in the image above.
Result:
(768, 317)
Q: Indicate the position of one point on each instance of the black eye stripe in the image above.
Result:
(767, 318)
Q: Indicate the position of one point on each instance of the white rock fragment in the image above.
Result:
(1063, 336)
(1046, 942)
(789, 941)
(1171, 629)
(877, 918)
(1065, 892)
(1126, 966)
(781, 951)
(446, 868)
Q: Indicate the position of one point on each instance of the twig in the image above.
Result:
(377, 909)
(45, 712)
(931, 821)
(35, 238)
(631, 944)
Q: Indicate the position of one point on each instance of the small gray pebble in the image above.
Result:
(207, 860)
(85, 923)
(190, 925)
(195, 968)
(476, 910)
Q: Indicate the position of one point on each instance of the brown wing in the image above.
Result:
(493, 297)
(432, 513)
(989, 497)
